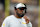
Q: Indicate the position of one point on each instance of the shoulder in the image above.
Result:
(9, 18)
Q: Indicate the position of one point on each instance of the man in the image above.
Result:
(19, 19)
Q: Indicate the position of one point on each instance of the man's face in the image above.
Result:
(20, 13)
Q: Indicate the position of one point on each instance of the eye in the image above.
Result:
(21, 8)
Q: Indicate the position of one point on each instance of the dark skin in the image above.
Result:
(20, 12)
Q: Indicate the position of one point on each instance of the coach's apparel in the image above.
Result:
(12, 21)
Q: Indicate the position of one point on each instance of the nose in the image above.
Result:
(22, 10)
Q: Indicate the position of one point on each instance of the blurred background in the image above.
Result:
(2, 15)
(32, 10)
